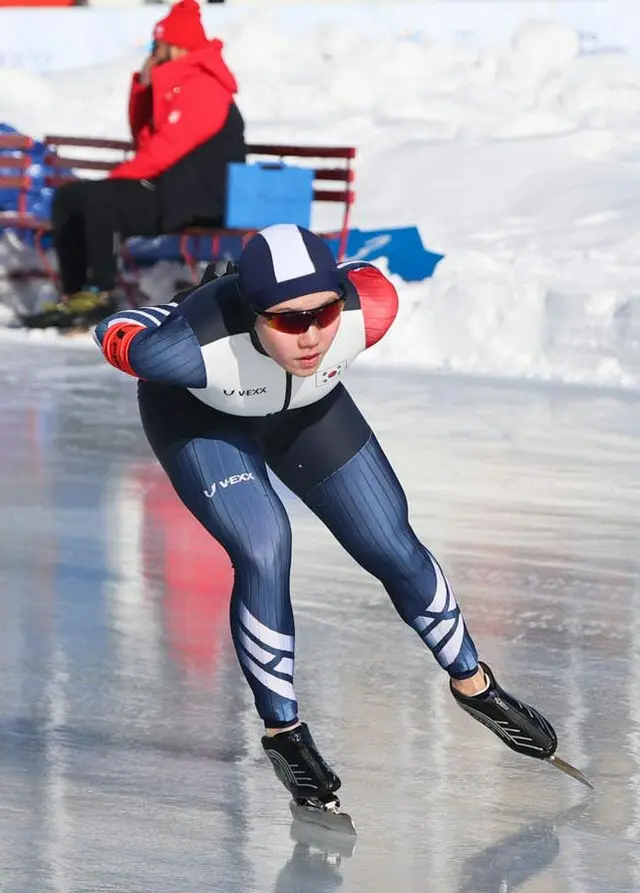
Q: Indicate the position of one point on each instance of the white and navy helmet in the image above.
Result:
(283, 262)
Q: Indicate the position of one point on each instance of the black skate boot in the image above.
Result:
(521, 727)
(309, 780)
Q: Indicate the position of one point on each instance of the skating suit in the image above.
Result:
(218, 411)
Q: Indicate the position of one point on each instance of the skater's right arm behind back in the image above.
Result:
(154, 344)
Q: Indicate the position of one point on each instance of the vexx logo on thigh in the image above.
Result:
(229, 482)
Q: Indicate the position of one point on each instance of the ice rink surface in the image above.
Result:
(130, 755)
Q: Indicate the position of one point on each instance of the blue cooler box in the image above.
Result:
(260, 195)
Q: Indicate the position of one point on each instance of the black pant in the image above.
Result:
(87, 215)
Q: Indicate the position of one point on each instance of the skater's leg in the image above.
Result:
(364, 506)
(334, 463)
(217, 471)
(337, 466)
(222, 480)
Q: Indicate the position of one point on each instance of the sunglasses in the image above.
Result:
(296, 322)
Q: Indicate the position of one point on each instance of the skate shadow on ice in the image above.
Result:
(314, 864)
(507, 865)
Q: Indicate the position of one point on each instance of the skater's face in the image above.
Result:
(298, 333)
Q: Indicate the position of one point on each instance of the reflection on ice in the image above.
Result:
(316, 860)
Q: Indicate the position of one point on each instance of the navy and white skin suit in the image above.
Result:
(217, 411)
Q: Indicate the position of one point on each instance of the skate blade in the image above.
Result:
(568, 769)
(330, 819)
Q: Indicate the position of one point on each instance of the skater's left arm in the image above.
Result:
(378, 299)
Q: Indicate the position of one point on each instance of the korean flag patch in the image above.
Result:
(327, 376)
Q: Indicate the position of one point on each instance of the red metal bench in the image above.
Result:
(333, 182)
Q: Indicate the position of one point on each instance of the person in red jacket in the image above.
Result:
(186, 129)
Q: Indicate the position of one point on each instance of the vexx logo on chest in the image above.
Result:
(249, 392)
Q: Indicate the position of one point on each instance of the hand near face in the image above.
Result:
(145, 71)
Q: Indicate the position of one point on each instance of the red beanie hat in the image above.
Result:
(182, 27)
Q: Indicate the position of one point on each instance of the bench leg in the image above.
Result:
(188, 258)
(51, 272)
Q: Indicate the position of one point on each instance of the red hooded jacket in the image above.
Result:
(187, 103)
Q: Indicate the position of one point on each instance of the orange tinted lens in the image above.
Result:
(326, 315)
(297, 322)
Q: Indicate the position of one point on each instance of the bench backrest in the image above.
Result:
(332, 166)
(333, 177)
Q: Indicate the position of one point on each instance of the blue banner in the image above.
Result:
(402, 247)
